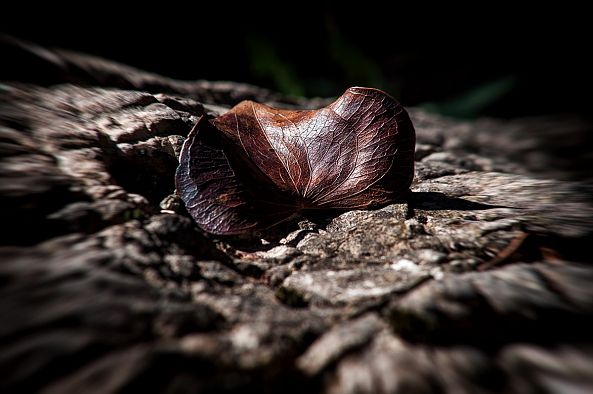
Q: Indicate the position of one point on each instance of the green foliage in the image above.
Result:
(266, 63)
(357, 67)
(274, 64)
(340, 63)
(471, 103)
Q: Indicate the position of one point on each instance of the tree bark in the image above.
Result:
(480, 282)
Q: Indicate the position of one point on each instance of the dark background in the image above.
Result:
(495, 61)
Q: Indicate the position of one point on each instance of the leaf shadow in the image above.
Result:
(436, 201)
(320, 218)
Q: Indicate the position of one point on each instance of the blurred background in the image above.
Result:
(495, 60)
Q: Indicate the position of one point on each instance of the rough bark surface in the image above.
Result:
(481, 282)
